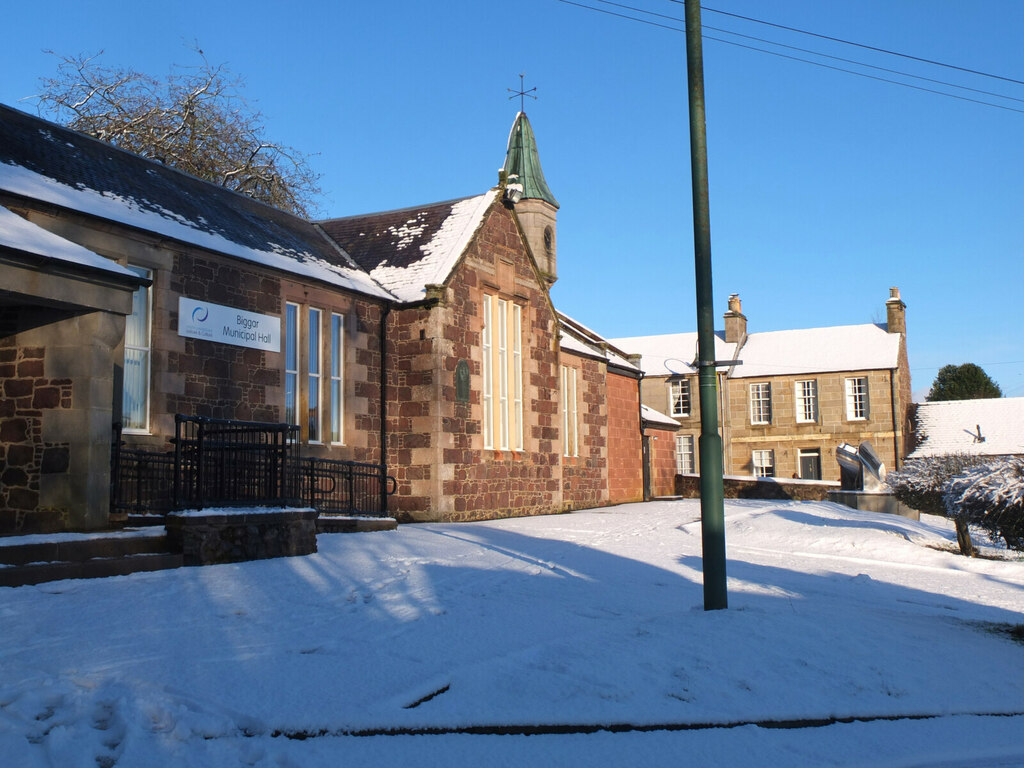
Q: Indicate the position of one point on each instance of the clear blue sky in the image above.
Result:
(826, 187)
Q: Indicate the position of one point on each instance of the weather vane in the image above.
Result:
(521, 93)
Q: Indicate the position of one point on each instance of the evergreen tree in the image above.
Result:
(963, 382)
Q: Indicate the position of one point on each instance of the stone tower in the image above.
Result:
(528, 193)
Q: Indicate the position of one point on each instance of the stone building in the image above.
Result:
(793, 395)
(422, 339)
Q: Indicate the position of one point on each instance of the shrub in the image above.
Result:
(922, 484)
(991, 496)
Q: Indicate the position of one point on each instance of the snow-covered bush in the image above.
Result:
(922, 484)
(991, 496)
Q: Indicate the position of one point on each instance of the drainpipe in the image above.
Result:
(892, 400)
(383, 405)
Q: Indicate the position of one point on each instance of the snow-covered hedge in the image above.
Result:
(991, 496)
(922, 483)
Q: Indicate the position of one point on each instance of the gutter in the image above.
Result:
(895, 432)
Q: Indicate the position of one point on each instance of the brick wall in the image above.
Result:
(662, 452)
(436, 443)
(625, 462)
(585, 477)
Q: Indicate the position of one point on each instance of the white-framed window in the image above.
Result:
(570, 413)
(291, 363)
(502, 369)
(314, 368)
(685, 463)
(761, 403)
(488, 374)
(764, 463)
(137, 352)
(337, 378)
(679, 397)
(809, 463)
(857, 398)
(806, 401)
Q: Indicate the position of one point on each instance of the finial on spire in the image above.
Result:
(521, 93)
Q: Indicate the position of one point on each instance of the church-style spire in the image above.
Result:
(528, 193)
(522, 163)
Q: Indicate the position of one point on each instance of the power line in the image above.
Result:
(858, 45)
(813, 53)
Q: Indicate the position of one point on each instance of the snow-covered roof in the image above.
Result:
(818, 350)
(952, 426)
(408, 249)
(652, 416)
(22, 235)
(671, 353)
(579, 339)
(46, 162)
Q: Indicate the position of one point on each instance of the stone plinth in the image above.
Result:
(210, 536)
(869, 501)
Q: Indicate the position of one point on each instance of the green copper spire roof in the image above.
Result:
(522, 163)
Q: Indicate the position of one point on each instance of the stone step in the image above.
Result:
(354, 524)
(40, 550)
(40, 572)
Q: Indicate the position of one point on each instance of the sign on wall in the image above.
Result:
(215, 322)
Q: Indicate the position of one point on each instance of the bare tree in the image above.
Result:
(195, 119)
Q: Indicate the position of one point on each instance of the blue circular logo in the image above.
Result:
(199, 314)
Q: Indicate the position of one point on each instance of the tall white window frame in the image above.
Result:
(517, 373)
(857, 404)
(487, 370)
(291, 363)
(502, 372)
(503, 431)
(314, 376)
(679, 397)
(685, 455)
(806, 401)
(761, 403)
(764, 462)
(570, 413)
(337, 395)
(138, 334)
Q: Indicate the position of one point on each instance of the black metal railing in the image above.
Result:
(219, 462)
(344, 487)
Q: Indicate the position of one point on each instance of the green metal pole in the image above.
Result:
(712, 507)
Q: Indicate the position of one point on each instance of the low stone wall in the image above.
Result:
(688, 486)
(211, 536)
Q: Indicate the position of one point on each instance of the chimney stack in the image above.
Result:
(735, 321)
(895, 312)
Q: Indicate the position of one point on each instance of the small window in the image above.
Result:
(291, 364)
(137, 335)
(806, 401)
(764, 463)
(679, 397)
(809, 460)
(337, 380)
(857, 398)
(685, 464)
(761, 403)
(570, 429)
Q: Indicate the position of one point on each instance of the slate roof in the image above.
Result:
(671, 353)
(44, 161)
(818, 350)
(951, 426)
(576, 338)
(407, 249)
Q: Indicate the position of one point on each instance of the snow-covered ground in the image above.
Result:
(585, 620)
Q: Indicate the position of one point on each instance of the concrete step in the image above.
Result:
(39, 572)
